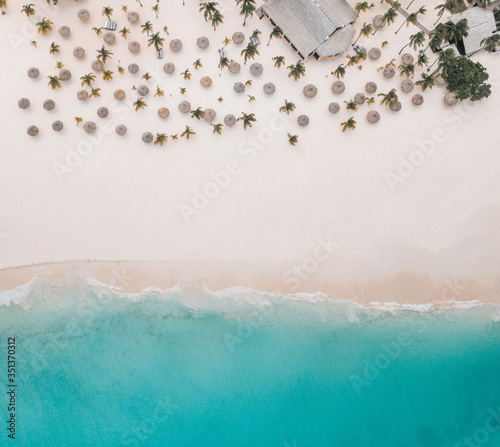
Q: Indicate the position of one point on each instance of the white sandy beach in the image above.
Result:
(402, 209)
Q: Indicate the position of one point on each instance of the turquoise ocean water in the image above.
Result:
(96, 367)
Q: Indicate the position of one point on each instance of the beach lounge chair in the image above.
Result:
(110, 25)
(255, 40)
(159, 54)
(222, 53)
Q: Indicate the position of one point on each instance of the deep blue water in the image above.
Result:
(243, 368)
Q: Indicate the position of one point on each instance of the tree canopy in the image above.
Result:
(467, 79)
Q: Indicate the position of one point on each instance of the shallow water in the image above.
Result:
(188, 367)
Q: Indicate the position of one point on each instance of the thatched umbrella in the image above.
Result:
(269, 88)
(147, 137)
(407, 59)
(163, 113)
(102, 112)
(239, 87)
(396, 107)
(234, 67)
(169, 68)
(303, 120)
(83, 15)
(33, 73)
(23, 103)
(417, 99)
(176, 45)
(371, 87)
(209, 115)
(57, 126)
(334, 107)
(238, 38)
(121, 130)
(109, 38)
(378, 21)
(133, 17)
(65, 31)
(79, 52)
(49, 105)
(407, 85)
(202, 42)
(82, 95)
(65, 75)
(373, 117)
(97, 65)
(133, 68)
(185, 107)
(230, 120)
(338, 87)
(89, 127)
(119, 94)
(389, 72)
(143, 90)
(359, 98)
(134, 47)
(256, 69)
(310, 91)
(374, 53)
(206, 81)
(450, 99)
(440, 80)
(33, 131)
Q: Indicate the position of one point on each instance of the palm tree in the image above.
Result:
(98, 31)
(208, 9)
(288, 107)
(365, 31)
(407, 70)
(389, 98)
(165, 29)
(88, 79)
(107, 75)
(186, 74)
(78, 120)
(146, 76)
(3, 4)
(217, 19)
(188, 133)
(427, 81)
(223, 63)
(160, 139)
(54, 82)
(44, 26)
(339, 71)
(422, 59)
(147, 27)
(445, 58)
(124, 32)
(416, 40)
(156, 41)
(94, 93)
(388, 18)
(159, 92)
(139, 104)
(247, 8)
(104, 54)
(490, 43)
(297, 70)
(29, 10)
(457, 31)
(277, 33)
(351, 105)
(248, 119)
(124, 8)
(484, 3)
(121, 70)
(217, 128)
(292, 139)
(182, 90)
(448, 6)
(353, 60)
(198, 113)
(279, 61)
(370, 100)
(107, 11)
(411, 19)
(174, 137)
(197, 64)
(54, 48)
(251, 98)
(59, 65)
(139, 1)
(156, 9)
(363, 7)
(250, 52)
(33, 42)
(226, 42)
(349, 124)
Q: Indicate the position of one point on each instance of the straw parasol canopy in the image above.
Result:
(234, 67)
(33, 131)
(65, 75)
(65, 31)
(371, 87)
(417, 99)
(163, 113)
(102, 112)
(407, 59)
(407, 85)
(202, 42)
(303, 120)
(378, 21)
(440, 80)
(23, 103)
(121, 130)
(206, 81)
(169, 68)
(359, 98)
(82, 95)
(109, 38)
(396, 107)
(143, 90)
(97, 65)
(238, 38)
(389, 72)
(310, 91)
(134, 47)
(89, 127)
(185, 107)
(33, 73)
(338, 87)
(176, 45)
(79, 52)
(269, 88)
(374, 53)
(133, 17)
(147, 137)
(133, 68)
(209, 115)
(49, 105)
(230, 120)
(256, 69)
(57, 126)
(373, 117)
(83, 15)
(334, 107)
(239, 87)
(450, 99)
(119, 94)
